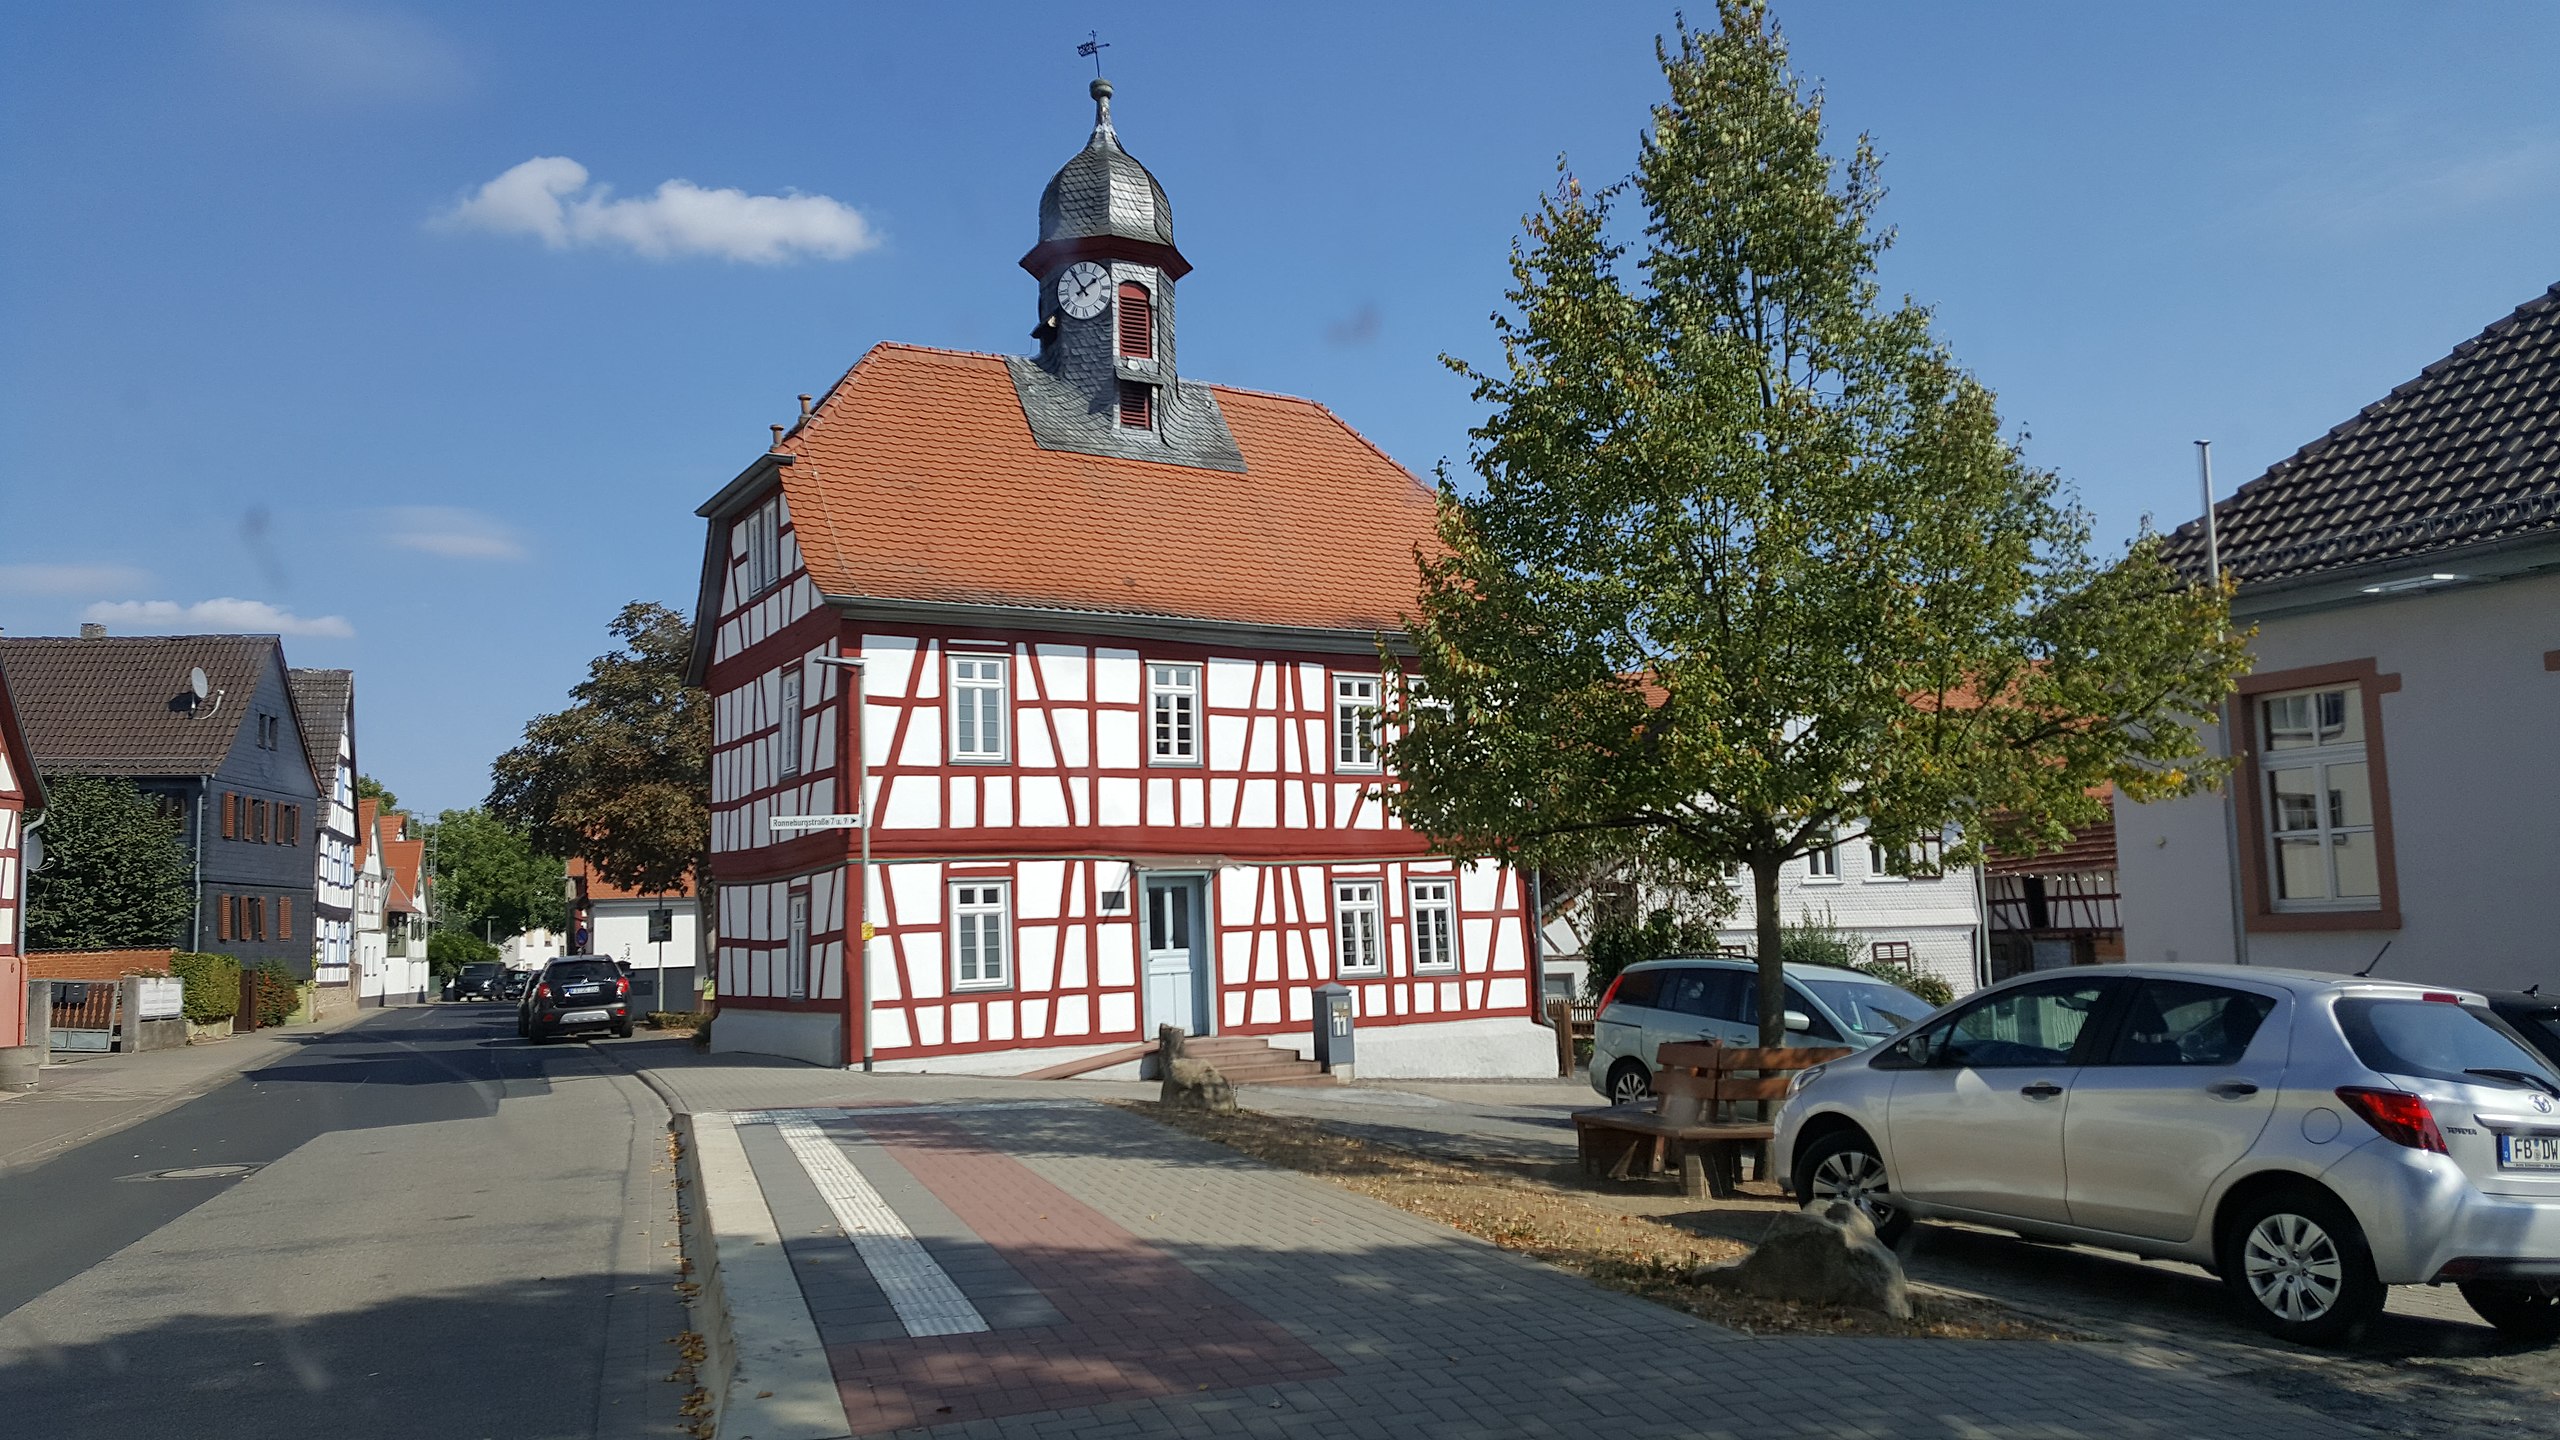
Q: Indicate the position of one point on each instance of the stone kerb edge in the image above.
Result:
(763, 1364)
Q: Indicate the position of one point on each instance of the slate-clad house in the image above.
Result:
(2399, 738)
(1122, 637)
(21, 802)
(325, 701)
(230, 763)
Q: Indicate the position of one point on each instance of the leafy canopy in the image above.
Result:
(116, 869)
(490, 881)
(622, 777)
(368, 788)
(1752, 564)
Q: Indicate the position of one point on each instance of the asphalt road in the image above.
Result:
(415, 1226)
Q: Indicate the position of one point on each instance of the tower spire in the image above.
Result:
(1102, 131)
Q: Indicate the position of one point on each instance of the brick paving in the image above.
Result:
(1197, 1293)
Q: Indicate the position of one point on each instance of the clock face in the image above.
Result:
(1084, 290)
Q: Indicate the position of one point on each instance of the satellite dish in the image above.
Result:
(197, 682)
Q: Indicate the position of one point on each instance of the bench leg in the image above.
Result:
(1694, 1174)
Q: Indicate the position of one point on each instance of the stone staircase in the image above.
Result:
(1247, 1060)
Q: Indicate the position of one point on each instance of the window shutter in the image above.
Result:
(1137, 323)
(228, 828)
(284, 917)
(221, 917)
(1137, 405)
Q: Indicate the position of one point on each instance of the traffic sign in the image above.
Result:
(794, 824)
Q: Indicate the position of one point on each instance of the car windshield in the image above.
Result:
(1870, 1007)
(579, 972)
(480, 970)
(2434, 1040)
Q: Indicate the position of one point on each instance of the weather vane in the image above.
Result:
(1092, 49)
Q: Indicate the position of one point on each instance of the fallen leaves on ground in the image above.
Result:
(1581, 1233)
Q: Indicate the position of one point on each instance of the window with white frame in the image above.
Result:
(796, 951)
(763, 529)
(978, 707)
(1355, 928)
(981, 935)
(1173, 714)
(2318, 790)
(1823, 861)
(1435, 925)
(790, 711)
(1355, 722)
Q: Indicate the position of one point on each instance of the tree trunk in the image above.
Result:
(1773, 985)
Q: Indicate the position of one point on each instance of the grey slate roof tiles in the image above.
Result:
(1103, 190)
(2467, 452)
(116, 705)
(321, 702)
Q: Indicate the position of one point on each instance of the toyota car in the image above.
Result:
(2311, 1138)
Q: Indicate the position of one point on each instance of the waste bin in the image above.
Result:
(1333, 1029)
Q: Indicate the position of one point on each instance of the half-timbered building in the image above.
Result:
(1120, 638)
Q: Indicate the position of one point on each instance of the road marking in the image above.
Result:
(923, 1294)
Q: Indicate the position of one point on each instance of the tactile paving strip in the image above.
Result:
(925, 1297)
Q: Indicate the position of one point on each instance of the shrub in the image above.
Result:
(279, 993)
(449, 950)
(213, 986)
(1818, 942)
(1928, 987)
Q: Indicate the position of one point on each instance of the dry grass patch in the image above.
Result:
(1634, 1253)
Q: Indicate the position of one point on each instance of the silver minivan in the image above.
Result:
(2311, 1138)
(1657, 1002)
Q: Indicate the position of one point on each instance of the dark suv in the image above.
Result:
(478, 980)
(575, 992)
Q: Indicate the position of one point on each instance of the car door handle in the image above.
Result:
(2041, 1090)
(2231, 1090)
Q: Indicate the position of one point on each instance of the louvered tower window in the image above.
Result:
(1137, 323)
(1137, 405)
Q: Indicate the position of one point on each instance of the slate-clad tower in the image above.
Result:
(1105, 381)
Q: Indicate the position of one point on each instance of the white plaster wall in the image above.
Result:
(2472, 741)
(814, 1036)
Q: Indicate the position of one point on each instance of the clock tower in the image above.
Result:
(1105, 381)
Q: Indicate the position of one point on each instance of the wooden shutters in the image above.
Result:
(230, 824)
(1137, 323)
(1137, 405)
(221, 917)
(284, 917)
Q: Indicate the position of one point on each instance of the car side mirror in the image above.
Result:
(1797, 1021)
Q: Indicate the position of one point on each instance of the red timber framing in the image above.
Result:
(1064, 824)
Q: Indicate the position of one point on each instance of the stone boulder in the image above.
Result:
(1824, 1254)
(1196, 1085)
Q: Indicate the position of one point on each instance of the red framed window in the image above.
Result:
(1137, 323)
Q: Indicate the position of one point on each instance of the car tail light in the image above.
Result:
(542, 992)
(2403, 1118)
(622, 986)
(1609, 994)
(2444, 996)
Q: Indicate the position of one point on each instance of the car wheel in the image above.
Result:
(2298, 1263)
(1844, 1165)
(1629, 1082)
(2522, 1310)
(536, 1034)
(622, 1030)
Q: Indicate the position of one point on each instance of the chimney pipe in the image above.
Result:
(92, 630)
(804, 407)
(777, 437)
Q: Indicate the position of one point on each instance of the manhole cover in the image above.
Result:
(200, 1172)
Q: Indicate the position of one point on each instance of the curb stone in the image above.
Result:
(768, 1374)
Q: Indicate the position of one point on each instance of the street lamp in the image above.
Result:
(858, 942)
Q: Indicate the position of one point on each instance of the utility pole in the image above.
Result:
(2232, 717)
(858, 924)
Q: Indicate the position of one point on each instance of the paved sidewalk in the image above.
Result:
(997, 1259)
(78, 1100)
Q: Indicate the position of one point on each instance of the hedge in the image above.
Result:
(279, 993)
(213, 986)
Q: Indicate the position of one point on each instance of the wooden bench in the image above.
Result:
(1693, 1124)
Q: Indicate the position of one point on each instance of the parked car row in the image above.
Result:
(2313, 1139)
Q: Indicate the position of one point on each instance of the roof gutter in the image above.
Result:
(1181, 629)
(2507, 558)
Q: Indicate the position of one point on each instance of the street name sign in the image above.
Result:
(794, 824)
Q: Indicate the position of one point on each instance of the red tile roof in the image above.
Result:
(917, 479)
(2091, 848)
(599, 888)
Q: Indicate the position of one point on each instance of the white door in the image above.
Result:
(1177, 948)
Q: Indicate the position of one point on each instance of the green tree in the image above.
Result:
(449, 950)
(622, 777)
(1752, 566)
(490, 881)
(116, 869)
(368, 788)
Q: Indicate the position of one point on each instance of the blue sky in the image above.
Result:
(243, 359)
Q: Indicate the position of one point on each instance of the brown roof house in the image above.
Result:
(2399, 740)
(208, 723)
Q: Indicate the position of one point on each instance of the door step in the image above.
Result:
(1249, 1060)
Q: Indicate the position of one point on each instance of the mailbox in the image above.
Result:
(1333, 1029)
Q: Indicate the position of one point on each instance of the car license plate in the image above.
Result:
(580, 989)
(2529, 1152)
(580, 1017)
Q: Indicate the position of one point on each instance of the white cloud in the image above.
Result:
(550, 198)
(451, 532)
(346, 52)
(223, 616)
(2396, 175)
(33, 579)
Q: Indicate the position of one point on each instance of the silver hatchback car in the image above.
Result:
(2311, 1138)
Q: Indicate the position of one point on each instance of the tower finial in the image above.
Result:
(1100, 89)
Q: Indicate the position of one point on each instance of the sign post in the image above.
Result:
(662, 927)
